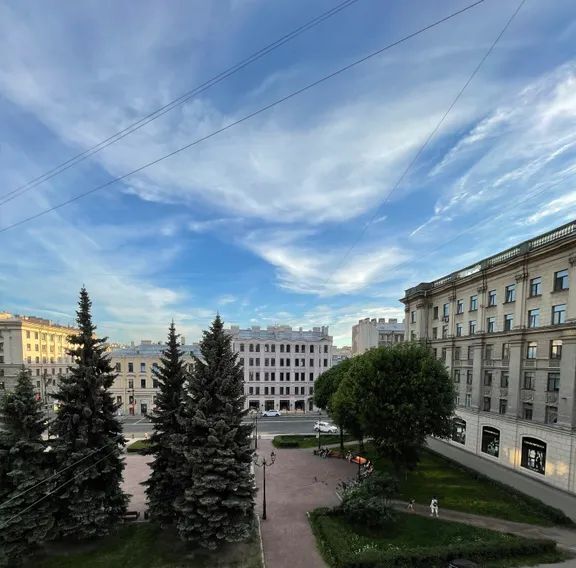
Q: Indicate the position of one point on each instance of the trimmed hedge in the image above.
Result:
(556, 516)
(286, 444)
(138, 447)
(420, 557)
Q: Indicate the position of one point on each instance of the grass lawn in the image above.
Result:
(309, 440)
(144, 545)
(459, 489)
(138, 446)
(341, 542)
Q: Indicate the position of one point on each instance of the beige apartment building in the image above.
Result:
(37, 343)
(506, 329)
(281, 365)
(135, 386)
(369, 333)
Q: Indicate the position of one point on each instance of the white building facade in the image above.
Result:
(506, 330)
(281, 365)
(369, 333)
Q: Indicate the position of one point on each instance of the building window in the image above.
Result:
(491, 325)
(266, 376)
(488, 378)
(553, 382)
(468, 401)
(556, 349)
(27, 334)
(155, 383)
(534, 317)
(435, 311)
(472, 327)
(296, 348)
(257, 347)
(287, 348)
(460, 307)
(486, 401)
(558, 314)
(251, 348)
(311, 348)
(504, 380)
(531, 350)
(560, 280)
(505, 351)
(551, 416)
(491, 441)
(533, 455)
(118, 367)
(250, 390)
(444, 331)
(489, 351)
(434, 333)
(535, 287)
(528, 383)
(459, 430)
(130, 367)
(242, 350)
(130, 383)
(458, 330)
(281, 347)
(457, 353)
(470, 353)
(257, 375)
(527, 409)
(510, 293)
(456, 375)
(311, 363)
(502, 406)
(508, 322)
(473, 303)
(311, 376)
(142, 367)
(491, 298)
(443, 354)
(142, 383)
(325, 362)
(325, 348)
(446, 310)
(413, 317)
(469, 377)
(257, 361)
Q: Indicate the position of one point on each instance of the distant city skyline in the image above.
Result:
(265, 223)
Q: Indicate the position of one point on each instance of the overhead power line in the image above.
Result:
(378, 210)
(246, 117)
(173, 104)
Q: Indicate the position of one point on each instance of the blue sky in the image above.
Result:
(256, 222)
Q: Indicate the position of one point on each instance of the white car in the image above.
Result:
(271, 413)
(325, 427)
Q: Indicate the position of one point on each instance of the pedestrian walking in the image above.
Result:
(410, 505)
(434, 507)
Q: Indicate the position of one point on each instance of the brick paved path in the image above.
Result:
(298, 482)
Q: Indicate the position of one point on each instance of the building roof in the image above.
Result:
(280, 333)
(391, 327)
(152, 350)
(12, 318)
(555, 236)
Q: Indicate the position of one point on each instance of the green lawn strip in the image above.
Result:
(462, 489)
(307, 440)
(138, 446)
(144, 545)
(416, 541)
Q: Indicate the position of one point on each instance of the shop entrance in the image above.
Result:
(269, 405)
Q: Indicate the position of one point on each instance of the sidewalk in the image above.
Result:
(549, 495)
(297, 483)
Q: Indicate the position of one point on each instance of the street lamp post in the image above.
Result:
(264, 463)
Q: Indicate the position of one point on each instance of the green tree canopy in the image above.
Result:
(405, 395)
(327, 384)
(26, 518)
(90, 500)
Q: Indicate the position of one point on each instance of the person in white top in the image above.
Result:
(434, 507)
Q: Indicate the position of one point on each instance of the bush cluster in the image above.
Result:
(279, 443)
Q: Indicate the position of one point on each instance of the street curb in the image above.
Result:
(261, 543)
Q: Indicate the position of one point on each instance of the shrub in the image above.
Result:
(138, 447)
(286, 444)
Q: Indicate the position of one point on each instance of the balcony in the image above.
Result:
(457, 363)
(470, 362)
(529, 363)
(552, 397)
(486, 390)
(468, 388)
(554, 363)
(490, 363)
(505, 361)
(503, 392)
(526, 395)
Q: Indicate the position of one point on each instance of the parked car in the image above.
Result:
(271, 413)
(325, 427)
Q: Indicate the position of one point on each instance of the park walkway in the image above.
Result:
(557, 498)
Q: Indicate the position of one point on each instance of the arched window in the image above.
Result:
(459, 430)
(534, 455)
(491, 441)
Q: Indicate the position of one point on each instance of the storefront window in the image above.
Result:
(459, 430)
(534, 455)
(491, 441)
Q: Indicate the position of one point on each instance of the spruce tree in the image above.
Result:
(91, 502)
(218, 501)
(165, 483)
(25, 520)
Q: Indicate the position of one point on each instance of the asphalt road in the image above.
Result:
(299, 424)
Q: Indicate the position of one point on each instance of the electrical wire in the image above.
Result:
(422, 148)
(172, 104)
(245, 117)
